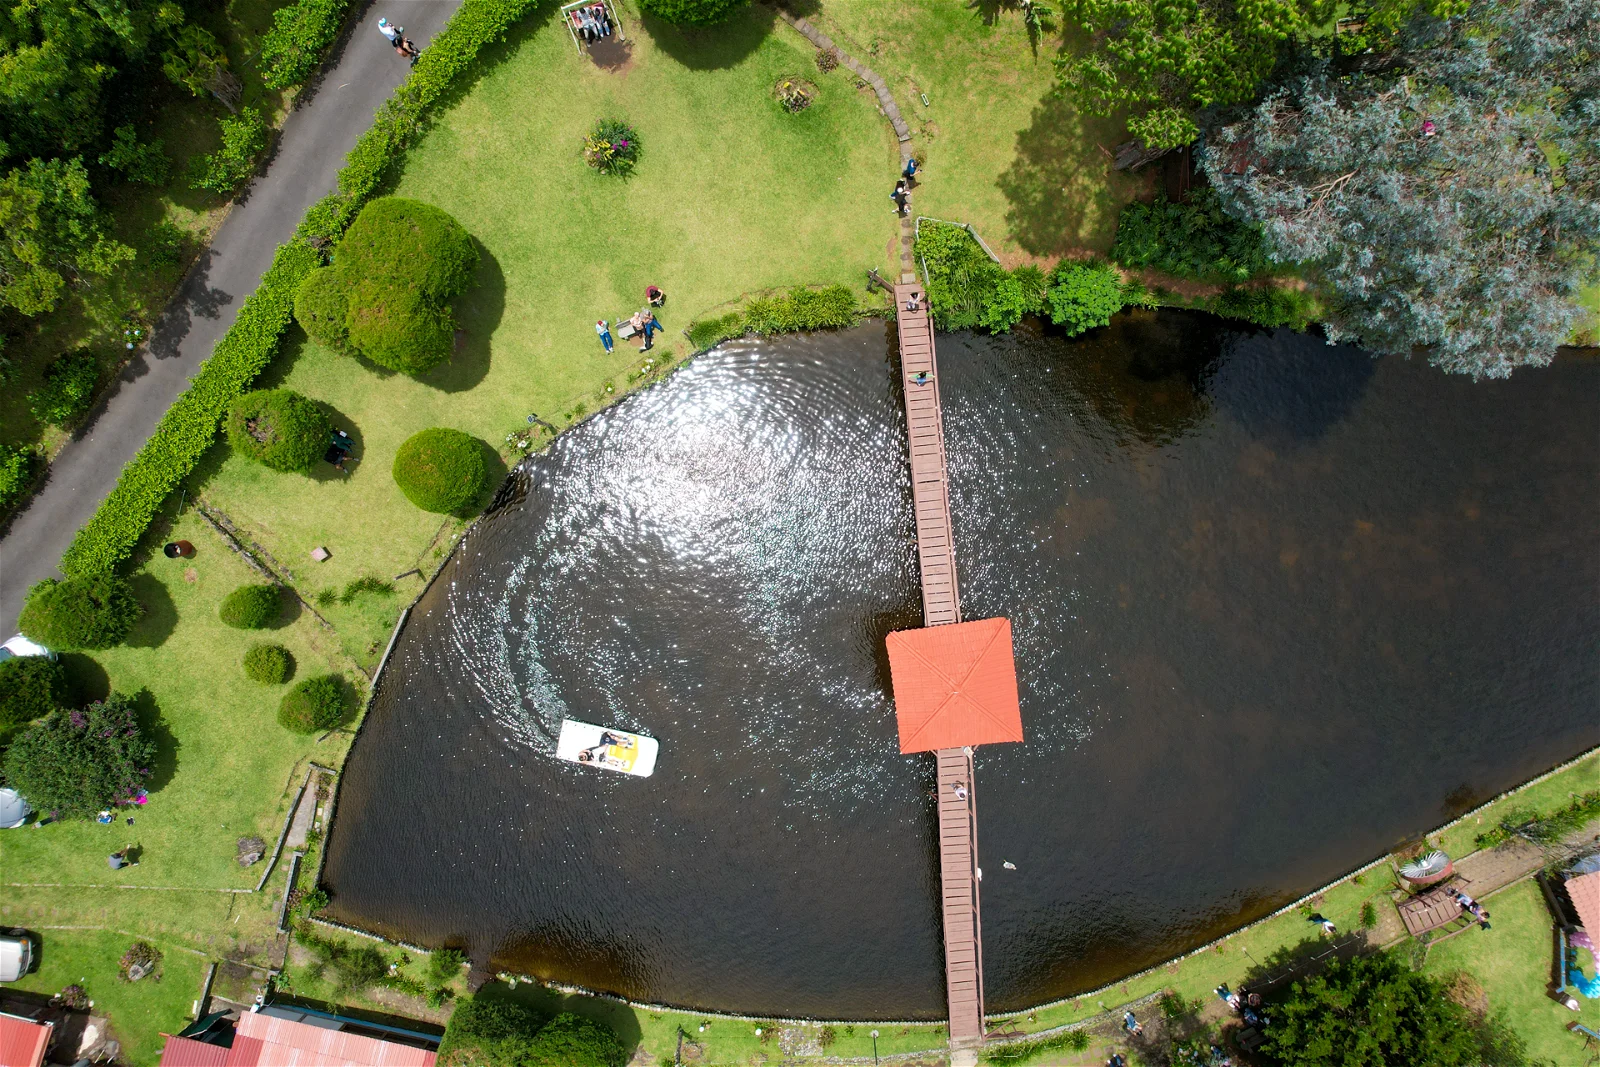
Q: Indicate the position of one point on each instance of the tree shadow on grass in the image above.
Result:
(84, 680)
(154, 726)
(289, 614)
(1060, 190)
(479, 311)
(1289, 963)
(160, 616)
(713, 47)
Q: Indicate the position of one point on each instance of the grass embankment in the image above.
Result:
(732, 195)
(225, 770)
(1030, 173)
(92, 316)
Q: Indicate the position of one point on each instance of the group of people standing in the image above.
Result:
(643, 321)
(591, 22)
(1247, 1005)
(902, 188)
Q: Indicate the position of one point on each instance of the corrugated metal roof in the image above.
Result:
(1585, 893)
(187, 1052)
(955, 685)
(22, 1041)
(265, 1041)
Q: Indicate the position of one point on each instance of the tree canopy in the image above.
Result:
(75, 763)
(1370, 1011)
(1449, 202)
(52, 230)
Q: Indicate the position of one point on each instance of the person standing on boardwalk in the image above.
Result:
(603, 328)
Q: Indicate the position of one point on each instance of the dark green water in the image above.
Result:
(1278, 606)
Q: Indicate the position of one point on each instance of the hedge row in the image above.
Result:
(190, 426)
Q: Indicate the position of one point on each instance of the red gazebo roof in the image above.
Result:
(1584, 892)
(955, 685)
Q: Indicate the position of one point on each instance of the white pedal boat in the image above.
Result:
(615, 750)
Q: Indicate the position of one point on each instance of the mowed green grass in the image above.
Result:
(1030, 172)
(140, 1012)
(1513, 961)
(732, 195)
(224, 767)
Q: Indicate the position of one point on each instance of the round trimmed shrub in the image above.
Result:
(415, 245)
(279, 428)
(399, 328)
(90, 613)
(321, 308)
(252, 607)
(441, 470)
(28, 689)
(315, 704)
(692, 12)
(268, 664)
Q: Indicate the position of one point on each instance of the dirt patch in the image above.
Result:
(191, 575)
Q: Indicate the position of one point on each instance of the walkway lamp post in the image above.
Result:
(874, 1048)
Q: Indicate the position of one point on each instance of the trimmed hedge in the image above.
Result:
(279, 429)
(315, 704)
(190, 425)
(268, 664)
(441, 470)
(252, 607)
(96, 611)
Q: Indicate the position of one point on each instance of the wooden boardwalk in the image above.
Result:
(941, 605)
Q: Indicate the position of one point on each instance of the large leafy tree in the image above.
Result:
(1167, 59)
(1371, 1011)
(75, 763)
(51, 229)
(1450, 203)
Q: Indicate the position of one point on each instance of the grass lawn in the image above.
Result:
(92, 316)
(1513, 962)
(1029, 172)
(139, 1011)
(732, 195)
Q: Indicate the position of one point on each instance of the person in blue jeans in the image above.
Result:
(650, 326)
(603, 328)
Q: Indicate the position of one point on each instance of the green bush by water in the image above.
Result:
(92, 612)
(708, 333)
(1083, 296)
(491, 1032)
(1267, 306)
(279, 429)
(268, 664)
(1193, 239)
(314, 704)
(441, 470)
(831, 307)
(1021, 1052)
(252, 607)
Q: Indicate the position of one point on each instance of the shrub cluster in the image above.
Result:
(300, 33)
(279, 428)
(692, 12)
(1083, 296)
(244, 138)
(268, 664)
(314, 704)
(68, 387)
(252, 607)
(78, 762)
(490, 1032)
(441, 470)
(612, 147)
(710, 332)
(29, 689)
(967, 289)
(387, 295)
(1267, 306)
(831, 307)
(96, 611)
(1194, 239)
(16, 474)
(138, 161)
(190, 425)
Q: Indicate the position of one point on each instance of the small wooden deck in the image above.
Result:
(941, 605)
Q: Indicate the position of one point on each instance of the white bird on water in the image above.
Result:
(1008, 865)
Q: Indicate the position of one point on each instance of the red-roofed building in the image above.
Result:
(282, 1037)
(955, 685)
(22, 1041)
(1584, 892)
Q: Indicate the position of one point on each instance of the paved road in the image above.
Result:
(303, 169)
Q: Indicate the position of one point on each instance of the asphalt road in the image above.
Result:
(303, 169)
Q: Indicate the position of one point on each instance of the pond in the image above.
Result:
(1278, 607)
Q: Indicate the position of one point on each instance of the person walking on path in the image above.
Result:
(390, 31)
(899, 197)
(910, 171)
(603, 328)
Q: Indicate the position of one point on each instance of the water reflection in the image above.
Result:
(1276, 607)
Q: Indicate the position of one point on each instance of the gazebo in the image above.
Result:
(955, 686)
